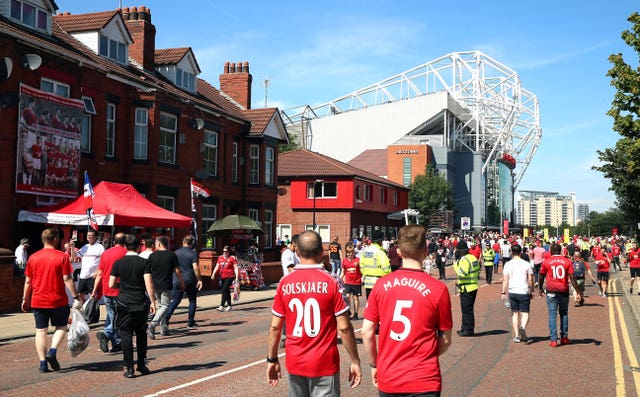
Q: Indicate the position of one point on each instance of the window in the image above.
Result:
(167, 202)
(29, 15)
(113, 49)
(185, 80)
(323, 230)
(322, 189)
(383, 195)
(85, 134)
(395, 198)
(254, 214)
(211, 152)
(209, 216)
(254, 165)
(268, 228)
(234, 162)
(167, 146)
(269, 166)
(141, 134)
(55, 87)
(88, 105)
(406, 171)
(367, 192)
(110, 133)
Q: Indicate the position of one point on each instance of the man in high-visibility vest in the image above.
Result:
(374, 262)
(488, 255)
(467, 269)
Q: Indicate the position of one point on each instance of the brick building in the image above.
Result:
(345, 201)
(140, 115)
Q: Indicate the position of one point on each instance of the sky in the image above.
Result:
(314, 52)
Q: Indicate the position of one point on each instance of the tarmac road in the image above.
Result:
(225, 355)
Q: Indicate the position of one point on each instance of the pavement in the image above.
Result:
(21, 325)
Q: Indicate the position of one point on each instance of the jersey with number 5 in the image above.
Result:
(309, 299)
(411, 308)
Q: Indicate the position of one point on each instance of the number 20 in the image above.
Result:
(398, 316)
(307, 317)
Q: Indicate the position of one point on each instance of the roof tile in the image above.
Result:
(84, 22)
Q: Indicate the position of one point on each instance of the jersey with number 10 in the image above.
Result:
(309, 299)
(556, 270)
(411, 307)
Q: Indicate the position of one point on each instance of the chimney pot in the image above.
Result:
(245, 67)
(238, 67)
(225, 69)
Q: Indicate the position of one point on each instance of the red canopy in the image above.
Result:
(114, 204)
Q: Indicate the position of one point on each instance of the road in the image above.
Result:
(225, 356)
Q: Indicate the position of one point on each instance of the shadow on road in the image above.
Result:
(99, 366)
(191, 367)
(174, 345)
(491, 332)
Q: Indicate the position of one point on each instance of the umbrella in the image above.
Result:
(232, 223)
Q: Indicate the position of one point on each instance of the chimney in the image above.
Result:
(235, 81)
(138, 21)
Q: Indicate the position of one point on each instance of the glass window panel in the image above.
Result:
(42, 20)
(28, 15)
(16, 10)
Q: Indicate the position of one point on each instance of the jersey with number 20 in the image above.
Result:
(411, 307)
(309, 299)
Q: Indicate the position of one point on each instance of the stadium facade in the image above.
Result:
(480, 126)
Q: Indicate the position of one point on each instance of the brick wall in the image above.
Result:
(10, 285)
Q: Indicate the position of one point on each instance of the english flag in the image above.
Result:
(88, 202)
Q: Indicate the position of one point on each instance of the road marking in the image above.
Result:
(206, 378)
(633, 361)
(617, 354)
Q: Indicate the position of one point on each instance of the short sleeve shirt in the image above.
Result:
(46, 269)
(351, 268)
(186, 258)
(90, 255)
(556, 270)
(411, 307)
(163, 265)
(131, 270)
(227, 266)
(518, 271)
(309, 299)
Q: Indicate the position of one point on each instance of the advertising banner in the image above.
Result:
(48, 152)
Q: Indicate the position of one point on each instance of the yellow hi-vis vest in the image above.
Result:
(488, 255)
(467, 271)
(374, 263)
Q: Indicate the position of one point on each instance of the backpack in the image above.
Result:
(579, 269)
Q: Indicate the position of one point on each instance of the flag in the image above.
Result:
(88, 202)
(199, 190)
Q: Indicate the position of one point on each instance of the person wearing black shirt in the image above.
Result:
(164, 263)
(188, 263)
(132, 275)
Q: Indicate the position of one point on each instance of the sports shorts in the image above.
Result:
(85, 285)
(520, 302)
(635, 271)
(603, 276)
(353, 289)
(58, 316)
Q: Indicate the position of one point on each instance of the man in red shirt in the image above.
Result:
(558, 272)
(101, 288)
(352, 278)
(413, 313)
(47, 273)
(603, 266)
(310, 301)
(615, 255)
(634, 268)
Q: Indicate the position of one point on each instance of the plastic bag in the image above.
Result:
(91, 310)
(78, 336)
(236, 291)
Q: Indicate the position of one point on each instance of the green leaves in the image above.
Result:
(430, 192)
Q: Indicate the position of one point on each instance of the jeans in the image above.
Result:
(160, 318)
(335, 266)
(110, 330)
(176, 298)
(558, 303)
(536, 272)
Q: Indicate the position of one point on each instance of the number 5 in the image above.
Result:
(398, 316)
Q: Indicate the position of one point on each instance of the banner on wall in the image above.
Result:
(48, 152)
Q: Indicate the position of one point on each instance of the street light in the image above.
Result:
(314, 201)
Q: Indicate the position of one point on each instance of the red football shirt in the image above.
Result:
(351, 268)
(227, 269)
(309, 299)
(46, 268)
(556, 270)
(411, 307)
(107, 259)
(602, 262)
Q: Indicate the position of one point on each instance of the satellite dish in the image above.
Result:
(31, 61)
(6, 66)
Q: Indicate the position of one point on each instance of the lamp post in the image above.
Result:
(314, 201)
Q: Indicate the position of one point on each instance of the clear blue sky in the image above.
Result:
(313, 52)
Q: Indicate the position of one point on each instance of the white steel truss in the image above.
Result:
(499, 116)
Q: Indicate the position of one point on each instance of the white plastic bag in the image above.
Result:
(78, 336)
(236, 291)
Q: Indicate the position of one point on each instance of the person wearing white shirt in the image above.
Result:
(90, 254)
(21, 255)
(289, 256)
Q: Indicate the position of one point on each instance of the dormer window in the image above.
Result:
(113, 49)
(29, 15)
(185, 80)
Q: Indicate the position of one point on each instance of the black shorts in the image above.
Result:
(59, 317)
(520, 302)
(85, 285)
(603, 276)
(353, 289)
(635, 271)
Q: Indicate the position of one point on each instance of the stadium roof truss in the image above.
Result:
(498, 115)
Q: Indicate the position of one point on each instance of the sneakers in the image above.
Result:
(53, 361)
(604, 294)
(129, 373)
(164, 332)
(220, 308)
(104, 341)
(227, 308)
(192, 326)
(565, 341)
(553, 343)
(599, 293)
(523, 335)
(516, 340)
(151, 331)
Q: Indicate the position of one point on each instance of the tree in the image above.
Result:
(430, 192)
(287, 147)
(621, 164)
